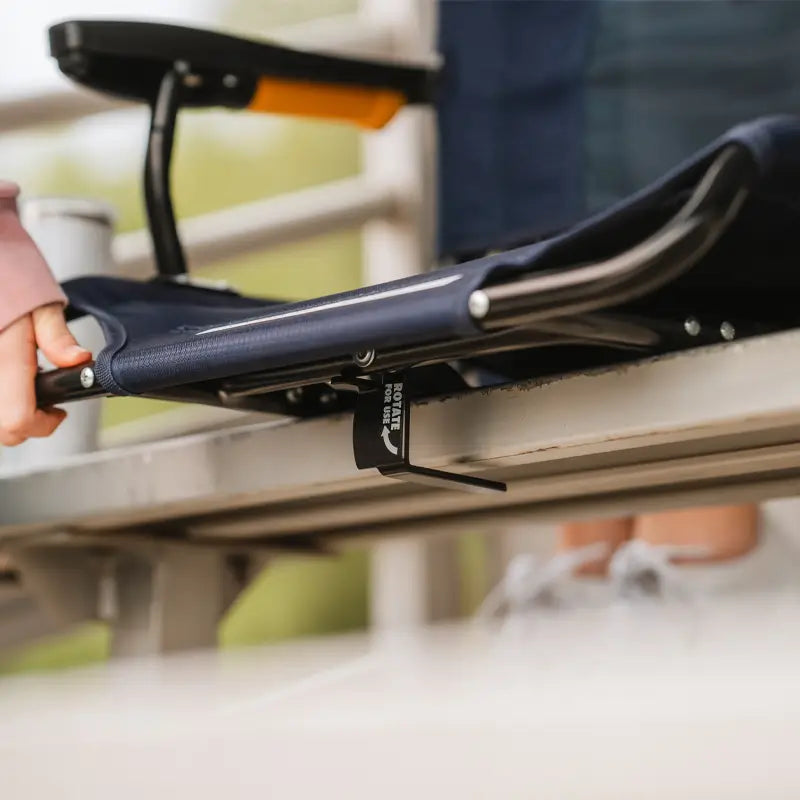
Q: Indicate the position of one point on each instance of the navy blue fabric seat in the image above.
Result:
(163, 335)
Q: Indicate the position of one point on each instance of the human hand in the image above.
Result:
(46, 329)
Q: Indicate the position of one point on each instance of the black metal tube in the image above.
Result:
(170, 260)
(660, 258)
(597, 330)
(65, 385)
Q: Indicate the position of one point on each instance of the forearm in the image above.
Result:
(25, 280)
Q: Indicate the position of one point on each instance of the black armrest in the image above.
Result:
(130, 59)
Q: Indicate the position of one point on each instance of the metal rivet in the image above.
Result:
(190, 79)
(363, 358)
(692, 326)
(326, 398)
(87, 377)
(478, 304)
(727, 331)
(295, 395)
(230, 81)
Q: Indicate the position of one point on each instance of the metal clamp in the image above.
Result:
(381, 429)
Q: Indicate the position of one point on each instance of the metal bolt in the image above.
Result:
(692, 326)
(189, 78)
(478, 304)
(87, 377)
(230, 81)
(727, 331)
(363, 358)
(295, 395)
(326, 398)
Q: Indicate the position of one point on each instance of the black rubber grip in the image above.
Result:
(65, 385)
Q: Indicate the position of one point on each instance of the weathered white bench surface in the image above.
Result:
(608, 702)
(702, 426)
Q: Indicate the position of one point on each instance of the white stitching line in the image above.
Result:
(350, 301)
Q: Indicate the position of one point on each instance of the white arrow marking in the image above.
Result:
(389, 446)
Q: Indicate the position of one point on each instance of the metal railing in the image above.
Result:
(219, 235)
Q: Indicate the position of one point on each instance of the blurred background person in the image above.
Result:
(553, 110)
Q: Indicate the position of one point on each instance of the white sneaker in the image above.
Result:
(530, 581)
(639, 570)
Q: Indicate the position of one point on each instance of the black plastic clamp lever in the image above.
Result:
(381, 428)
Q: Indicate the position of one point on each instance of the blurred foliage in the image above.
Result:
(292, 597)
(300, 597)
(86, 645)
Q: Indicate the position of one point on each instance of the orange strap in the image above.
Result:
(369, 108)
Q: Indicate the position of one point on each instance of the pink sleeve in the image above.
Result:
(25, 279)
